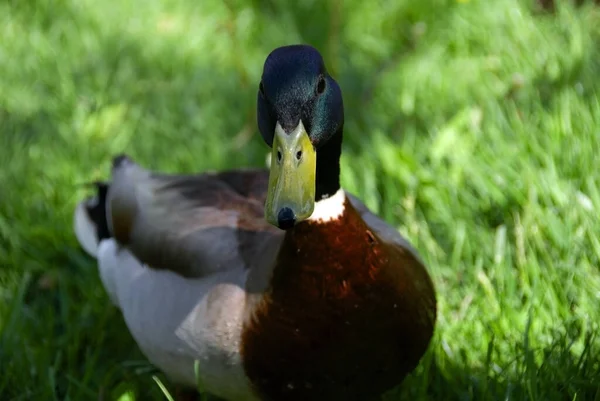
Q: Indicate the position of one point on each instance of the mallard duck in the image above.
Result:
(264, 284)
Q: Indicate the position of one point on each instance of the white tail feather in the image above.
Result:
(85, 230)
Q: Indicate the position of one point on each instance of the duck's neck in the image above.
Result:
(329, 209)
(328, 167)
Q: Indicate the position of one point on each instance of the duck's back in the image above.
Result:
(194, 225)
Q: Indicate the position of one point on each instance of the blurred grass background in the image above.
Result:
(473, 126)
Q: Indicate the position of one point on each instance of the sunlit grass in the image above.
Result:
(472, 126)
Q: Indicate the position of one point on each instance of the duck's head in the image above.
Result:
(300, 116)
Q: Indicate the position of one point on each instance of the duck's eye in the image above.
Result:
(261, 88)
(299, 155)
(321, 85)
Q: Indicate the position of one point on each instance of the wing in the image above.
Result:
(194, 225)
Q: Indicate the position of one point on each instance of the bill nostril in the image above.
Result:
(286, 218)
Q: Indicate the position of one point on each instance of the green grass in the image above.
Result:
(472, 126)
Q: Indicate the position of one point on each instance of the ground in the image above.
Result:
(472, 126)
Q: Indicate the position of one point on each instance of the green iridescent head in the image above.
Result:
(300, 116)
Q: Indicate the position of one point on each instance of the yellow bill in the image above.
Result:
(291, 192)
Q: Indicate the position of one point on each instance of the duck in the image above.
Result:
(264, 284)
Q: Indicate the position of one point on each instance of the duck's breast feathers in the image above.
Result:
(383, 229)
(403, 258)
(349, 313)
(194, 224)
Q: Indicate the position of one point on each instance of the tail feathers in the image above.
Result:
(90, 221)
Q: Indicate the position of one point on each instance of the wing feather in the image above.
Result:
(194, 225)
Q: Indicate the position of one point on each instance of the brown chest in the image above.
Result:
(342, 321)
